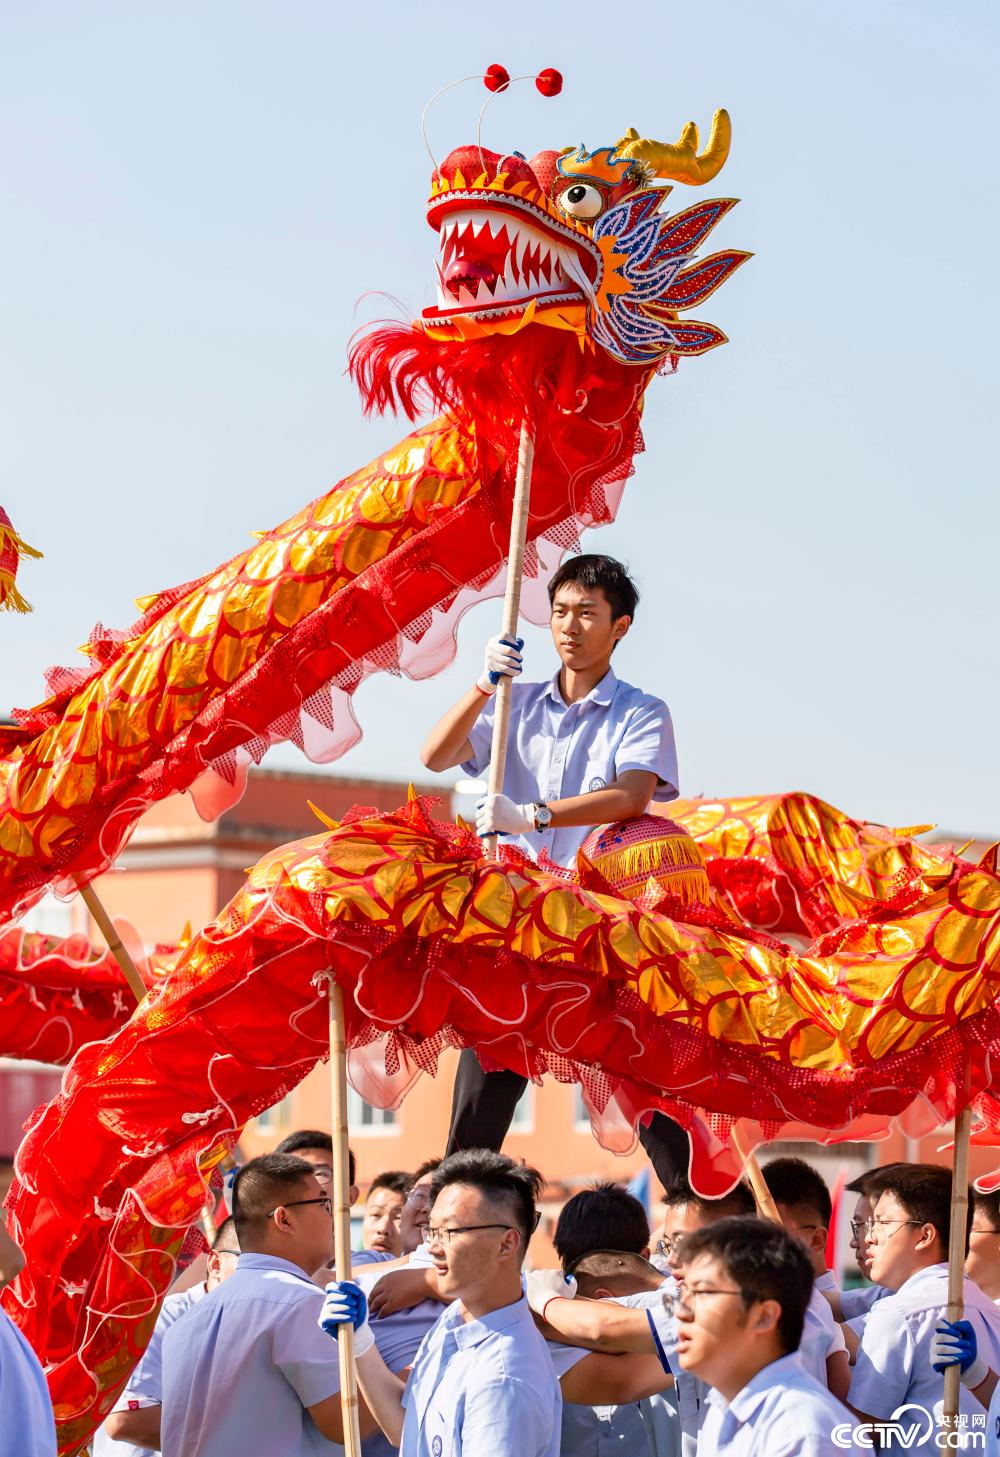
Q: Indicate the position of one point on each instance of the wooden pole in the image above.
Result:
(765, 1203)
(956, 1257)
(511, 610)
(111, 936)
(342, 1216)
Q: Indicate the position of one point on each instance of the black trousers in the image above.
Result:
(482, 1107)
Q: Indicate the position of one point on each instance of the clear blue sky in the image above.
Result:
(196, 196)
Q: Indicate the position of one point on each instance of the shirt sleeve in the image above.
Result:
(564, 1357)
(481, 738)
(883, 1367)
(648, 744)
(661, 1328)
(304, 1354)
(502, 1417)
(859, 1301)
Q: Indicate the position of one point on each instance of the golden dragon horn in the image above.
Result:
(680, 161)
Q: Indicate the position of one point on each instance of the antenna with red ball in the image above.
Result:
(495, 78)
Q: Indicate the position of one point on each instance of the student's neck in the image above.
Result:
(734, 1380)
(989, 1284)
(576, 685)
(919, 1266)
(477, 1303)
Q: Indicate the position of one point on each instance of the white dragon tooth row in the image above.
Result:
(562, 262)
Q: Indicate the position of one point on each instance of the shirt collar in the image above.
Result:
(929, 1272)
(602, 692)
(272, 1262)
(470, 1333)
(746, 1401)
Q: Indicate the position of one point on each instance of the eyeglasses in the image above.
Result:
(667, 1246)
(433, 1235)
(323, 1199)
(227, 1252)
(419, 1196)
(687, 1299)
(323, 1173)
(858, 1227)
(871, 1225)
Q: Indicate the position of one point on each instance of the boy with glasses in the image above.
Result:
(907, 1245)
(739, 1323)
(247, 1370)
(482, 1383)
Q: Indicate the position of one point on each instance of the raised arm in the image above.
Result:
(382, 1389)
(448, 742)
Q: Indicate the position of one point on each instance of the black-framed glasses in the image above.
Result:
(686, 1299)
(858, 1228)
(323, 1199)
(237, 1253)
(432, 1234)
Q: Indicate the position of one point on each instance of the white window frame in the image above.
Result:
(382, 1124)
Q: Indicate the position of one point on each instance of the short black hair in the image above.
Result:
(422, 1170)
(610, 1268)
(604, 572)
(862, 1183)
(924, 1191)
(263, 1184)
(764, 1263)
(225, 1234)
(398, 1181)
(313, 1138)
(501, 1179)
(738, 1202)
(989, 1205)
(793, 1182)
(604, 1217)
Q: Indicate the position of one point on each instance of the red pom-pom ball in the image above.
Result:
(497, 78)
(549, 82)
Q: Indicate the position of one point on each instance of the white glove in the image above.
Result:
(345, 1304)
(954, 1343)
(502, 659)
(545, 1285)
(498, 815)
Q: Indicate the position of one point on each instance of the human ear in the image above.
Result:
(767, 1317)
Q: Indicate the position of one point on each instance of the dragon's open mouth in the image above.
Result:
(498, 257)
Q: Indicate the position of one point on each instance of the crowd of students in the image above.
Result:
(716, 1332)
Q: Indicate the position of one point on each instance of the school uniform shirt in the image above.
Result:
(691, 1393)
(27, 1426)
(781, 1412)
(892, 1367)
(397, 1336)
(855, 1304)
(482, 1388)
(558, 750)
(821, 1336)
(145, 1385)
(243, 1365)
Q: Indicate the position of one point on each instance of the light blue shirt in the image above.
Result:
(559, 750)
(892, 1367)
(397, 1336)
(855, 1304)
(145, 1385)
(782, 1412)
(243, 1365)
(691, 1392)
(27, 1426)
(483, 1388)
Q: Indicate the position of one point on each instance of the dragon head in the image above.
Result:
(576, 240)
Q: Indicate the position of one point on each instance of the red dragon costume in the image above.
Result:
(562, 282)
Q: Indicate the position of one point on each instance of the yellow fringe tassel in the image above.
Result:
(10, 598)
(635, 862)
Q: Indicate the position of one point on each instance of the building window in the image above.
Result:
(278, 1117)
(581, 1118)
(524, 1112)
(363, 1118)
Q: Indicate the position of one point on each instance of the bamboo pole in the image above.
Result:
(511, 610)
(956, 1258)
(765, 1203)
(342, 1216)
(107, 929)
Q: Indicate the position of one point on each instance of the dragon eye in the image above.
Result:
(581, 201)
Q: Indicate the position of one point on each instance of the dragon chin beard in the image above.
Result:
(496, 380)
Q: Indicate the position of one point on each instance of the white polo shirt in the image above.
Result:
(892, 1367)
(242, 1366)
(821, 1336)
(482, 1388)
(558, 750)
(781, 1412)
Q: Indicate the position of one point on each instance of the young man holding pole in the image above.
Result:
(585, 749)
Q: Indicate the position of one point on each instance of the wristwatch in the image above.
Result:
(543, 815)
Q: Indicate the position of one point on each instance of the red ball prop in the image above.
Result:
(497, 78)
(549, 82)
